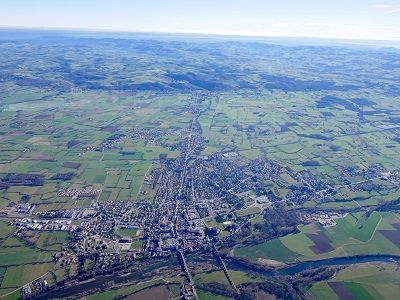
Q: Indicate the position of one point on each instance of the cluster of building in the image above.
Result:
(24, 208)
(370, 172)
(110, 142)
(99, 226)
(63, 258)
(73, 213)
(128, 214)
(156, 136)
(20, 209)
(86, 191)
(388, 126)
(35, 287)
(45, 225)
(308, 186)
(179, 226)
(326, 219)
(107, 260)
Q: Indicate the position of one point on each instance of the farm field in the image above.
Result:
(124, 291)
(126, 158)
(356, 234)
(364, 281)
(219, 276)
(204, 295)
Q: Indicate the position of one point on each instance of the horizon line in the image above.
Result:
(199, 33)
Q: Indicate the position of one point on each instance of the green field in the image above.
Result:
(205, 295)
(123, 291)
(52, 240)
(238, 277)
(22, 274)
(274, 249)
(128, 232)
(364, 281)
(196, 141)
(356, 234)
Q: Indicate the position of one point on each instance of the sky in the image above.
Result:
(349, 19)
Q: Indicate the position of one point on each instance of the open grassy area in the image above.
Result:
(128, 232)
(17, 276)
(205, 295)
(22, 255)
(238, 277)
(215, 276)
(123, 291)
(52, 240)
(273, 249)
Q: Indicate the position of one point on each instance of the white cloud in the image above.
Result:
(387, 8)
(340, 31)
(318, 30)
(382, 6)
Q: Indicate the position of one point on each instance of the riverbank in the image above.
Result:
(292, 269)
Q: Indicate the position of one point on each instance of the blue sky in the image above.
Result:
(367, 19)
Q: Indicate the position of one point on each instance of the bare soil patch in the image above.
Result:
(392, 235)
(270, 263)
(341, 291)
(261, 295)
(110, 128)
(71, 165)
(43, 117)
(321, 241)
(43, 157)
(154, 293)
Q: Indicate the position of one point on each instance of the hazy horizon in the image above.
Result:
(361, 20)
(307, 40)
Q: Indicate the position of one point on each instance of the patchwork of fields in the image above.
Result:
(122, 154)
(364, 281)
(356, 234)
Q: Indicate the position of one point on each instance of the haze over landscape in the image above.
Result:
(199, 149)
(356, 19)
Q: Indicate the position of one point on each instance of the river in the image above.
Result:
(302, 266)
(292, 269)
